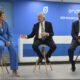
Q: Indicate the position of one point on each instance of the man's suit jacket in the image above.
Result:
(75, 30)
(5, 35)
(35, 31)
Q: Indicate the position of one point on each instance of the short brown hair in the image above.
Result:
(1, 12)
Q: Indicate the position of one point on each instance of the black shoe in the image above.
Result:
(40, 60)
(73, 66)
(47, 60)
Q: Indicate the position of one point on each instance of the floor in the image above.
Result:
(60, 71)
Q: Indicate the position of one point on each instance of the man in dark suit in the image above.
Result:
(43, 33)
(75, 41)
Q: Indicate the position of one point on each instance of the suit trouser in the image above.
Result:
(13, 55)
(71, 50)
(49, 43)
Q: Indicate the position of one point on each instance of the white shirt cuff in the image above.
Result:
(26, 36)
(48, 34)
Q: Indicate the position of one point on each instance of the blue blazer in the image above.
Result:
(75, 30)
(5, 35)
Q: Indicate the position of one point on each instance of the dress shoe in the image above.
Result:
(73, 66)
(16, 73)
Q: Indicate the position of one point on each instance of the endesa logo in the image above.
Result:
(75, 11)
(45, 9)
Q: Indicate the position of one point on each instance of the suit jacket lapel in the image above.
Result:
(45, 26)
(78, 26)
(3, 29)
(37, 29)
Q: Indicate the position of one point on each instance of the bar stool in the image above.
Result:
(43, 51)
(2, 63)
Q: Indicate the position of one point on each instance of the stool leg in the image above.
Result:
(42, 50)
(51, 67)
(3, 72)
(5, 64)
(39, 65)
(37, 62)
(45, 61)
(77, 55)
(35, 66)
(1, 63)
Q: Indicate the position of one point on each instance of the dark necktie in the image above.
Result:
(79, 30)
(79, 27)
(42, 30)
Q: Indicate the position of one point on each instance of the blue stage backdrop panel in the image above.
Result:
(24, 14)
(62, 50)
(60, 14)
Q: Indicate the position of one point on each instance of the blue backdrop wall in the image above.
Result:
(60, 14)
(25, 15)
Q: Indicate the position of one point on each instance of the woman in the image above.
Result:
(5, 41)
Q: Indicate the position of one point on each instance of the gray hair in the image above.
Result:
(42, 14)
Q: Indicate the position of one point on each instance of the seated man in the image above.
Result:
(5, 41)
(43, 33)
(75, 41)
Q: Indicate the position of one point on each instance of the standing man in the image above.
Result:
(5, 41)
(43, 33)
(75, 41)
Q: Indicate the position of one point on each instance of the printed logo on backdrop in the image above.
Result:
(73, 11)
(45, 9)
(70, 11)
